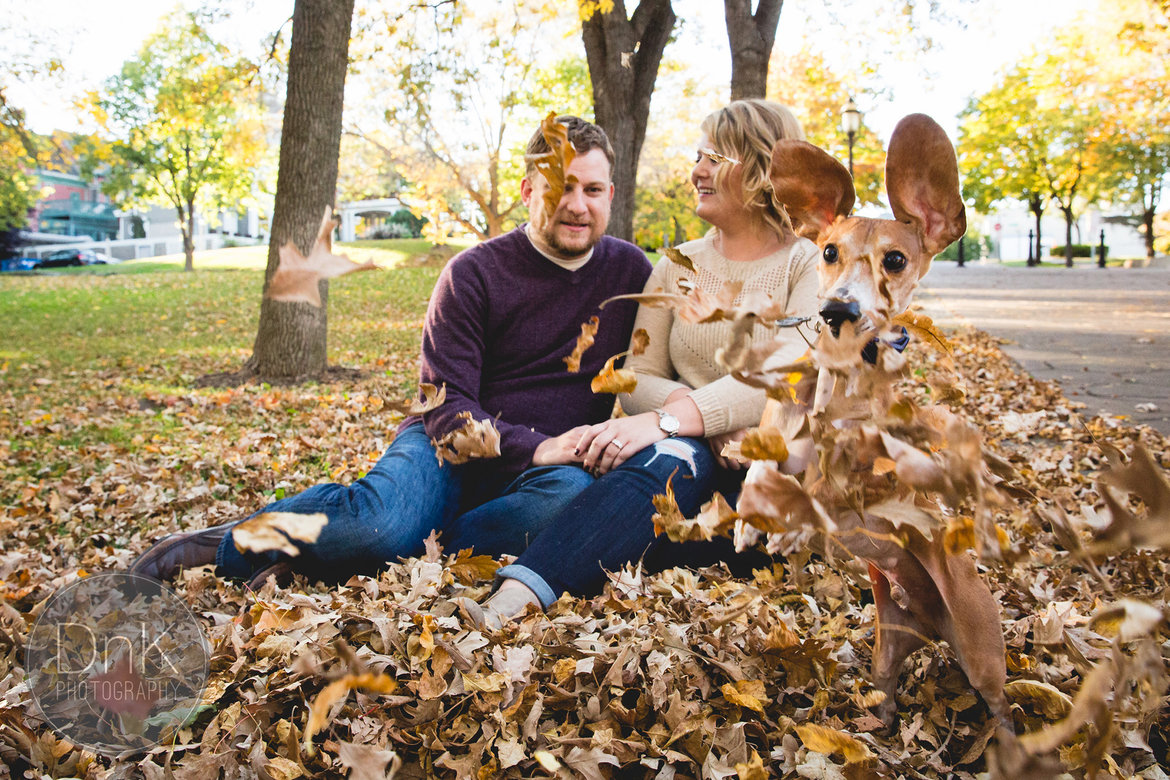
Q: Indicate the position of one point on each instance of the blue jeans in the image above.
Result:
(388, 513)
(609, 523)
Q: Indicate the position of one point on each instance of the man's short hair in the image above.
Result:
(585, 136)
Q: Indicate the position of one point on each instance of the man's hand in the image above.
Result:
(717, 442)
(558, 451)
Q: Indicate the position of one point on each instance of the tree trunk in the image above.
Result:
(189, 238)
(1148, 221)
(1036, 206)
(624, 55)
(751, 38)
(1068, 231)
(290, 341)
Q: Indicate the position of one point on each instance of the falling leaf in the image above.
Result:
(678, 258)
(584, 342)
(554, 163)
(715, 518)
(271, 531)
(764, 444)
(474, 439)
(639, 342)
(432, 398)
(1128, 619)
(297, 276)
(1052, 701)
(123, 690)
(611, 380)
(923, 327)
(337, 691)
(829, 741)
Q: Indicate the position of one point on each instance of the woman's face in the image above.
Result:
(719, 204)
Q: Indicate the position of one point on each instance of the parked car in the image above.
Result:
(18, 264)
(65, 257)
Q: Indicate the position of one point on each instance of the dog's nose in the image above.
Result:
(835, 313)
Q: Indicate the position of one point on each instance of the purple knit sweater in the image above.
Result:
(501, 320)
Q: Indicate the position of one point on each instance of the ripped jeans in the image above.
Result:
(609, 523)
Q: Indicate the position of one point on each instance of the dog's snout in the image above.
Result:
(836, 313)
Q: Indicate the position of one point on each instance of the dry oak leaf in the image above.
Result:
(271, 531)
(639, 342)
(1050, 700)
(746, 693)
(614, 380)
(923, 328)
(432, 398)
(474, 439)
(468, 568)
(556, 161)
(297, 276)
(764, 444)
(368, 762)
(134, 696)
(337, 691)
(715, 518)
(584, 342)
(828, 741)
(678, 258)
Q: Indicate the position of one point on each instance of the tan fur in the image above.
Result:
(922, 592)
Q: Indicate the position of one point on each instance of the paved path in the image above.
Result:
(1103, 334)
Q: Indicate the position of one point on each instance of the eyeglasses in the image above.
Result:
(715, 157)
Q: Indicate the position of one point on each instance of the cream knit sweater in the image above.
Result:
(682, 354)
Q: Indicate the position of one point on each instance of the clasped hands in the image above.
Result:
(603, 447)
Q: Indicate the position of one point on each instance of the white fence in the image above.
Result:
(137, 248)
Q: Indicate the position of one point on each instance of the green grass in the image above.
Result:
(101, 363)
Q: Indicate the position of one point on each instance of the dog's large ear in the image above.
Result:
(922, 180)
(814, 188)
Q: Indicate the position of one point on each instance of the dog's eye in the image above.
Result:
(894, 262)
(830, 254)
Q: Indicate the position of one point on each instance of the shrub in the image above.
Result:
(1078, 250)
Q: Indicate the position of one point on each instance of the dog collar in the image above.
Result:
(869, 353)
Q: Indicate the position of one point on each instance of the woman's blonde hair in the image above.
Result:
(746, 131)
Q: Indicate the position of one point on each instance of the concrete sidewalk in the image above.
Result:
(1102, 333)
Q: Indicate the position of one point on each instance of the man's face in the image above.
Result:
(581, 217)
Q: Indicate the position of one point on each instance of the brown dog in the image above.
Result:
(868, 271)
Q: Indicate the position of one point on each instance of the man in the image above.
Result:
(502, 318)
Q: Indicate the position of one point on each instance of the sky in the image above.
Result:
(94, 41)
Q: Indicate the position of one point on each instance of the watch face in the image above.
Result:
(668, 423)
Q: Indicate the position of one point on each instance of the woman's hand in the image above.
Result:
(717, 443)
(605, 446)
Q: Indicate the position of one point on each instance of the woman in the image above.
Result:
(686, 406)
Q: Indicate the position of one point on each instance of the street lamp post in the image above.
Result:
(850, 123)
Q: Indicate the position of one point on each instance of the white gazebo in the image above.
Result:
(358, 209)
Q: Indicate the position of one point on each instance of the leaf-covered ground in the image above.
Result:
(105, 445)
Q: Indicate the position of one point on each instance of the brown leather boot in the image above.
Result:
(282, 571)
(183, 550)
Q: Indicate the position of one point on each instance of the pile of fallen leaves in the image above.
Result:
(678, 674)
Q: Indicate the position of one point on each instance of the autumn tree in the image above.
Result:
(1137, 157)
(806, 83)
(291, 337)
(457, 96)
(181, 124)
(1003, 148)
(22, 59)
(751, 36)
(624, 53)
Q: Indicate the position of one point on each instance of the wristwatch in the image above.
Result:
(667, 423)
